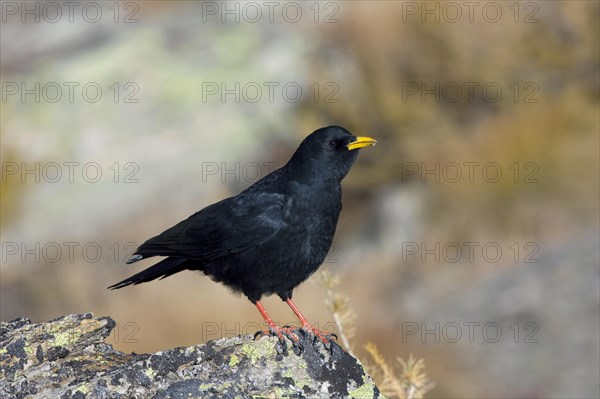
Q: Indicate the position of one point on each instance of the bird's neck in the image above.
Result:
(312, 174)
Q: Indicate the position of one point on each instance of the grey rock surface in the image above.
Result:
(67, 358)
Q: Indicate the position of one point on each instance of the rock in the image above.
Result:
(67, 358)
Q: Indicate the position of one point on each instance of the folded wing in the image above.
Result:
(226, 227)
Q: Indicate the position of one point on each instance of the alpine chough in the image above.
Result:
(269, 238)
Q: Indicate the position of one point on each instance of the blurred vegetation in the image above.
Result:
(409, 383)
(558, 133)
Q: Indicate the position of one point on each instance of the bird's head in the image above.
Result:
(329, 153)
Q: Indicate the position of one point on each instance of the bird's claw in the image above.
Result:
(259, 334)
(298, 348)
(317, 335)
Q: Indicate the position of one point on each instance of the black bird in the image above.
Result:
(269, 238)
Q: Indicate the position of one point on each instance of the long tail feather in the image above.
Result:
(164, 268)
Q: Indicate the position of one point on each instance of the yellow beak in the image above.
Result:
(361, 142)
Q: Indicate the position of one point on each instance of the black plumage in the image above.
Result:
(272, 236)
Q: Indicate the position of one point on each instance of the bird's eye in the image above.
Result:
(333, 143)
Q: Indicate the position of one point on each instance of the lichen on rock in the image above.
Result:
(67, 358)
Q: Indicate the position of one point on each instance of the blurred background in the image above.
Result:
(469, 235)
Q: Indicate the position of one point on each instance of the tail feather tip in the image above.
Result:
(134, 258)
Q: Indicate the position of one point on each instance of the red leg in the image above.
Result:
(306, 326)
(265, 315)
(297, 312)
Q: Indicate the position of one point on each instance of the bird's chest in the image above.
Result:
(313, 224)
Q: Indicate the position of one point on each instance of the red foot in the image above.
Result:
(323, 336)
(292, 333)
